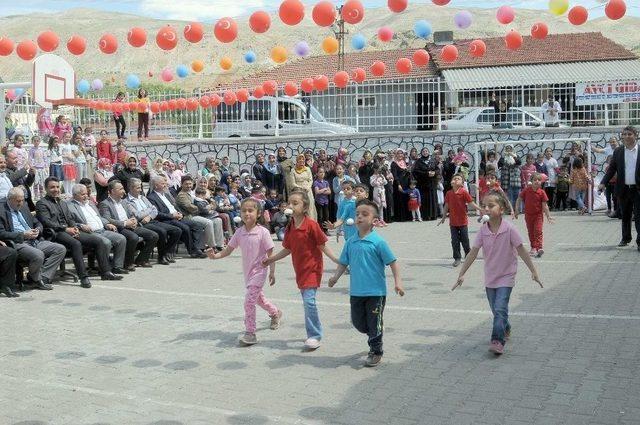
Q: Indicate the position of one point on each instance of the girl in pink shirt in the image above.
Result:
(500, 242)
(256, 244)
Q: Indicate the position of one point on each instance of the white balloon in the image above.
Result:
(288, 211)
(349, 222)
(485, 218)
(237, 220)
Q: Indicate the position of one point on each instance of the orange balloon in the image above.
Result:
(242, 95)
(358, 75)
(341, 79)
(167, 38)
(229, 98)
(421, 57)
(321, 83)
(397, 6)
(215, 100)
(226, 30)
(6, 46)
(578, 15)
(615, 9)
(258, 92)
(307, 85)
(403, 66)
(290, 88)
(440, 2)
(48, 41)
(27, 50)
(477, 48)
(192, 104)
(330, 45)
(137, 37)
(260, 21)
(164, 106)
(324, 13)
(378, 68)
(126, 107)
(108, 44)
(155, 107)
(449, 53)
(197, 66)
(133, 106)
(291, 12)
(173, 104)
(76, 45)
(226, 63)
(279, 54)
(270, 87)
(353, 12)
(181, 103)
(513, 39)
(539, 30)
(193, 32)
(205, 101)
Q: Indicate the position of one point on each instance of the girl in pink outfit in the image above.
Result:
(45, 126)
(256, 245)
(500, 241)
(62, 126)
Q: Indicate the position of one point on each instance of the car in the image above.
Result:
(484, 118)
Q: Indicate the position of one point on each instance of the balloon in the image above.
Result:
(126, 107)
(558, 7)
(93, 104)
(539, 30)
(463, 19)
(173, 104)
(341, 79)
(320, 83)
(378, 68)
(6, 46)
(421, 57)
(226, 30)
(324, 13)
(477, 48)
(330, 45)
(226, 63)
(270, 87)
(505, 15)
(615, 9)
(142, 107)
(205, 101)
(250, 56)
(83, 86)
(197, 66)
(422, 29)
(397, 6)
(260, 22)
(229, 98)
(48, 41)
(192, 104)
(352, 12)
(11, 94)
(258, 92)
(137, 37)
(403, 66)
(290, 88)
(302, 48)
(215, 100)
(578, 15)
(385, 34)
(193, 32)
(164, 106)
(27, 50)
(358, 75)
(449, 53)
(440, 2)
(279, 54)
(181, 103)
(76, 45)
(155, 107)
(133, 81)
(307, 85)
(182, 71)
(166, 75)
(358, 42)
(242, 95)
(97, 85)
(291, 12)
(167, 38)
(513, 39)
(108, 44)
(19, 91)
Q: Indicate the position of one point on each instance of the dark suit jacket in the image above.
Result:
(163, 211)
(54, 215)
(7, 231)
(23, 178)
(617, 167)
(108, 211)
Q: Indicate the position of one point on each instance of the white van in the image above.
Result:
(271, 116)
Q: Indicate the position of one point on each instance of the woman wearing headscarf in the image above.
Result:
(273, 178)
(448, 170)
(401, 179)
(366, 170)
(301, 177)
(426, 173)
(101, 177)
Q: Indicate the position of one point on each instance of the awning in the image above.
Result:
(529, 75)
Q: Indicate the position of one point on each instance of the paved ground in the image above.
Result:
(161, 347)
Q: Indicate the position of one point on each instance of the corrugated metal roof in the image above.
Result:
(553, 73)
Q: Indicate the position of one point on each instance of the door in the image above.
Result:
(257, 118)
(427, 110)
(292, 118)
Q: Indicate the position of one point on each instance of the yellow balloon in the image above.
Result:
(558, 7)
(330, 45)
(279, 54)
(226, 63)
(197, 66)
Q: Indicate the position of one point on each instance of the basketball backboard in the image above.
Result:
(53, 80)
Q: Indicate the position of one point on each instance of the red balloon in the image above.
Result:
(477, 48)
(440, 2)
(449, 53)
(258, 92)
(164, 106)
(142, 107)
(226, 30)
(99, 105)
(578, 15)
(260, 22)
(108, 44)
(403, 66)
(307, 85)
(397, 6)
(421, 57)
(513, 39)
(167, 38)
(290, 88)
(48, 41)
(358, 75)
(192, 104)
(76, 45)
(27, 50)
(385, 34)
(615, 9)
(378, 68)
(353, 12)
(126, 107)
(92, 104)
(193, 32)
(270, 87)
(216, 100)
(539, 30)
(133, 106)
(320, 83)
(324, 13)
(291, 12)
(341, 79)
(242, 95)
(137, 37)
(173, 104)
(505, 15)
(6, 46)
(205, 101)
(229, 98)
(182, 103)
(155, 107)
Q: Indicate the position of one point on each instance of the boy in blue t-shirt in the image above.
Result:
(346, 211)
(367, 254)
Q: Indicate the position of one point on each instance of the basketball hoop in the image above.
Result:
(54, 81)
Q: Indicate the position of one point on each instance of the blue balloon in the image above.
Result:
(422, 29)
(19, 92)
(182, 71)
(83, 86)
(358, 41)
(250, 56)
(133, 81)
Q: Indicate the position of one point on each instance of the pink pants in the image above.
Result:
(253, 296)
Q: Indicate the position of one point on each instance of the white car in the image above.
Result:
(485, 117)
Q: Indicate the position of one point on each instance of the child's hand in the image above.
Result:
(458, 282)
(514, 215)
(267, 261)
(329, 225)
(272, 279)
(536, 278)
(332, 281)
(551, 220)
(399, 289)
(211, 253)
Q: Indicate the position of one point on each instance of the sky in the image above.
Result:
(208, 10)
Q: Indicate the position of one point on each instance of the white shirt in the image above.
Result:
(551, 165)
(5, 185)
(165, 200)
(548, 114)
(93, 219)
(630, 159)
(138, 203)
(122, 213)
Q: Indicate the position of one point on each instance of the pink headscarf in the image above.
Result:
(399, 159)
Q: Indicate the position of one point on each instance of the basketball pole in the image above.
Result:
(4, 109)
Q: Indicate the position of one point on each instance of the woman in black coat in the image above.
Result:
(426, 173)
(366, 171)
(401, 179)
(448, 170)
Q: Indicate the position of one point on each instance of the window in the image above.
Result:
(226, 113)
(486, 117)
(366, 102)
(258, 110)
(291, 113)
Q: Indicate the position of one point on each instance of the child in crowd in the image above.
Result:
(280, 221)
(346, 211)
(89, 141)
(367, 255)
(322, 191)
(610, 192)
(360, 192)
(378, 183)
(527, 170)
(415, 200)
(62, 126)
(81, 158)
(563, 183)
(455, 203)
(579, 178)
(541, 167)
(272, 202)
(104, 148)
(535, 205)
(353, 173)
(22, 155)
(500, 242)
(226, 211)
(306, 242)
(256, 244)
(38, 160)
(337, 184)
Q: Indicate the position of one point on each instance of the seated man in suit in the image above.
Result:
(115, 211)
(192, 232)
(213, 233)
(140, 207)
(8, 258)
(25, 231)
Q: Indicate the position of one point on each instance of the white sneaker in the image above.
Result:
(312, 344)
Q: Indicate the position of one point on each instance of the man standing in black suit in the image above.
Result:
(626, 165)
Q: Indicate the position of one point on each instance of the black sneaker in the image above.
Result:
(373, 360)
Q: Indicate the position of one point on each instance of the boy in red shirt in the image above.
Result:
(535, 204)
(455, 203)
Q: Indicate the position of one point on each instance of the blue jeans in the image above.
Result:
(580, 198)
(311, 318)
(499, 303)
(513, 192)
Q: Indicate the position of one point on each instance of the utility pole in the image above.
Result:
(338, 30)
